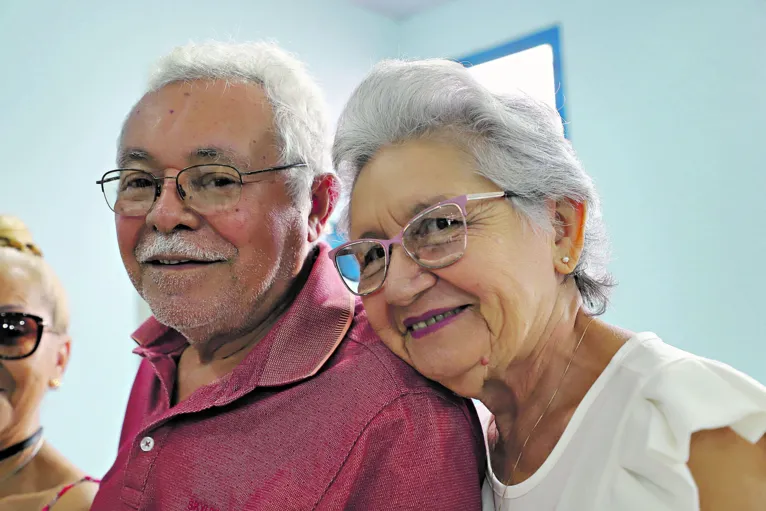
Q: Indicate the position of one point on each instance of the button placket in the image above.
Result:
(143, 455)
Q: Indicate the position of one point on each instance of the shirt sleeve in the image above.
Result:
(420, 452)
(687, 395)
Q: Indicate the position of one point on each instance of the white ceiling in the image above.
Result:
(398, 9)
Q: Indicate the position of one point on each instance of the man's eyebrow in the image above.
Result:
(133, 155)
(222, 155)
(211, 154)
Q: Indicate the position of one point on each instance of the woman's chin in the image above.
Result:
(459, 376)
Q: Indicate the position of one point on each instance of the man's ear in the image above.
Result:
(325, 193)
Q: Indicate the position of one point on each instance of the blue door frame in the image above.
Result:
(550, 36)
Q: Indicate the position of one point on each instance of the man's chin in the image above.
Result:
(185, 314)
(202, 312)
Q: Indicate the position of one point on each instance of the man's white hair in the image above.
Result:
(300, 112)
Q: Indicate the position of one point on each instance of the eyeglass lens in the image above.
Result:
(206, 188)
(19, 335)
(434, 239)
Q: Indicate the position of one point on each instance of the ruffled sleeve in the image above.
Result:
(683, 395)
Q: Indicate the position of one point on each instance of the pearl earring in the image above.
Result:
(55, 383)
(565, 259)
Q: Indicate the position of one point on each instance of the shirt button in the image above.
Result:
(147, 444)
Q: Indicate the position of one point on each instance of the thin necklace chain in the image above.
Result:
(555, 392)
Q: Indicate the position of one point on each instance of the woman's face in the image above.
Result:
(23, 382)
(502, 290)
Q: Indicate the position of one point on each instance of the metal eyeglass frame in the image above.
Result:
(159, 181)
(459, 201)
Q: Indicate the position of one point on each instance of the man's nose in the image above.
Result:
(169, 211)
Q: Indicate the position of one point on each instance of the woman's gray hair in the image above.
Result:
(300, 112)
(518, 143)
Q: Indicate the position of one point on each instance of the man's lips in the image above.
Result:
(179, 262)
(172, 260)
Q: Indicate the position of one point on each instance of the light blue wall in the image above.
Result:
(667, 106)
(71, 71)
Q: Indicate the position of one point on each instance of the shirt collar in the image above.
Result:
(298, 345)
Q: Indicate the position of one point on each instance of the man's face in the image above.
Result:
(246, 256)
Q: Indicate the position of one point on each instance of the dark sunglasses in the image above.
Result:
(20, 334)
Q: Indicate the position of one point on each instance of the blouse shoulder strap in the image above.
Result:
(62, 491)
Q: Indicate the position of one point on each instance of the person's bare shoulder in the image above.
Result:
(730, 472)
(78, 498)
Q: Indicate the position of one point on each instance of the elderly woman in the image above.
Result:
(34, 350)
(480, 252)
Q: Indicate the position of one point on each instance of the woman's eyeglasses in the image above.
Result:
(20, 334)
(434, 238)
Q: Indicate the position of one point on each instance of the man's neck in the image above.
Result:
(202, 363)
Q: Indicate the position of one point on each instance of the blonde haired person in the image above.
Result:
(34, 351)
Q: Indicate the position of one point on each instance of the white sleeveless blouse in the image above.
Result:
(627, 444)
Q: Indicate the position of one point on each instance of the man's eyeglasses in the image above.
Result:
(434, 238)
(20, 334)
(207, 189)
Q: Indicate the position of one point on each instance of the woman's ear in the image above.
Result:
(62, 360)
(569, 222)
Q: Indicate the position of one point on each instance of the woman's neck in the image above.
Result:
(20, 431)
(523, 385)
(15, 470)
(534, 398)
(526, 396)
(48, 470)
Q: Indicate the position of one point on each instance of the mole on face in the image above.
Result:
(187, 94)
(172, 111)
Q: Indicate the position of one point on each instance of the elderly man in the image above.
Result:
(261, 385)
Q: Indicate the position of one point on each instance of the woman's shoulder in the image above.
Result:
(66, 497)
(68, 488)
(75, 496)
(678, 394)
(689, 393)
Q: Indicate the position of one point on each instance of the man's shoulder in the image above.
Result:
(364, 359)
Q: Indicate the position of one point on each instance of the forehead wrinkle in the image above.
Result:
(395, 219)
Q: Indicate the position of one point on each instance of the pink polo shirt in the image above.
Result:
(319, 415)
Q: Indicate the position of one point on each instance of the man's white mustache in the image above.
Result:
(177, 246)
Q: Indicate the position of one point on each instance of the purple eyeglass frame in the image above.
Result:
(460, 201)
